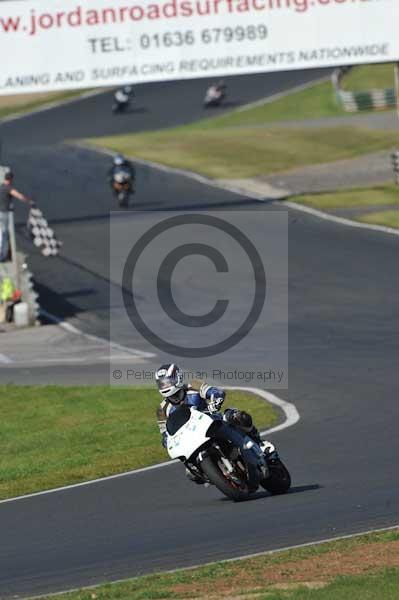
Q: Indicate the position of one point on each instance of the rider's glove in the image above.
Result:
(164, 439)
(207, 391)
(215, 403)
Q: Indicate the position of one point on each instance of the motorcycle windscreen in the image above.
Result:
(190, 437)
(177, 419)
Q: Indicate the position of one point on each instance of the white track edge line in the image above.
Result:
(340, 220)
(72, 329)
(290, 411)
(225, 560)
(252, 195)
(291, 417)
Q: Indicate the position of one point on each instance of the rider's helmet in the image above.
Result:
(170, 383)
(119, 160)
(128, 89)
(221, 84)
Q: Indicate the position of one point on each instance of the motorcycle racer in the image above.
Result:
(202, 396)
(122, 98)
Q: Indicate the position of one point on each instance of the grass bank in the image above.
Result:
(315, 102)
(239, 145)
(242, 152)
(354, 198)
(361, 199)
(367, 77)
(388, 218)
(365, 567)
(68, 435)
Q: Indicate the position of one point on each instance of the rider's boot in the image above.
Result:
(266, 447)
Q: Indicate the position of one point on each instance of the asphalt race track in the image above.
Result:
(343, 315)
(156, 105)
(69, 183)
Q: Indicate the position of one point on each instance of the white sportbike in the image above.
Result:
(217, 453)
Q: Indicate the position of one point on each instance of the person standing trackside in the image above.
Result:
(7, 193)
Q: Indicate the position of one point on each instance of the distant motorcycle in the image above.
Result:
(122, 185)
(214, 96)
(221, 455)
(122, 99)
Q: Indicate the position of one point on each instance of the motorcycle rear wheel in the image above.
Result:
(224, 485)
(279, 480)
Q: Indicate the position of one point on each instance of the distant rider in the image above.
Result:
(204, 397)
(124, 94)
(120, 163)
(217, 90)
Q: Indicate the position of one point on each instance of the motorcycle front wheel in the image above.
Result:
(224, 485)
(279, 480)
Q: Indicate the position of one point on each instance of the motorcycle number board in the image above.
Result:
(62, 44)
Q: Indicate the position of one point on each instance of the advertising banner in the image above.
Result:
(62, 44)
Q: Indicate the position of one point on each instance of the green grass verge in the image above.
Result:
(315, 102)
(375, 196)
(247, 151)
(14, 108)
(389, 218)
(368, 77)
(68, 435)
(342, 570)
